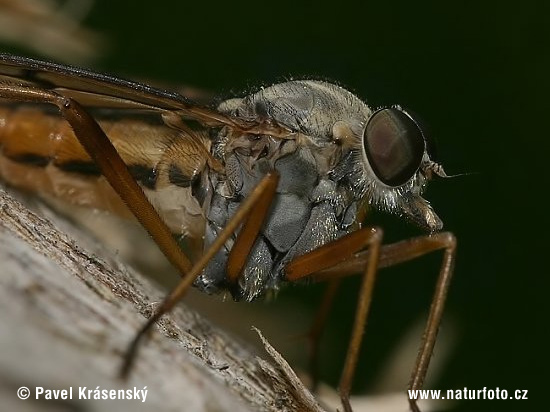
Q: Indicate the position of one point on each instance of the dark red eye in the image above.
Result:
(394, 144)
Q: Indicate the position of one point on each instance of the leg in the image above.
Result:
(249, 232)
(100, 149)
(390, 255)
(263, 193)
(330, 255)
(316, 331)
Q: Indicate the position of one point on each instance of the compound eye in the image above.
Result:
(394, 144)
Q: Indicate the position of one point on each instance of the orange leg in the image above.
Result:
(101, 150)
(316, 331)
(251, 212)
(344, 257)
(330, 255)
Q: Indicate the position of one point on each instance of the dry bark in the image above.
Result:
(67, 315)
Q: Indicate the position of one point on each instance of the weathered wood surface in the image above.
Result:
(67, 315)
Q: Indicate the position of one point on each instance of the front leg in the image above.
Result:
(360, 251)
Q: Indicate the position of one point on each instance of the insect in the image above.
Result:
(258, 191)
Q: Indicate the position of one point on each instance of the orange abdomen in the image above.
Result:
(39, 152)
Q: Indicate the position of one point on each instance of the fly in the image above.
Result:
(263, 190)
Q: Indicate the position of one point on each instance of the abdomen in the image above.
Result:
(40, 153)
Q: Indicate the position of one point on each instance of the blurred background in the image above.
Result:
(476, 73)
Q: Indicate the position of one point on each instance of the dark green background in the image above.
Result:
(478, 75)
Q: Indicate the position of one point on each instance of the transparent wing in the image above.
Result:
(93, 89)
